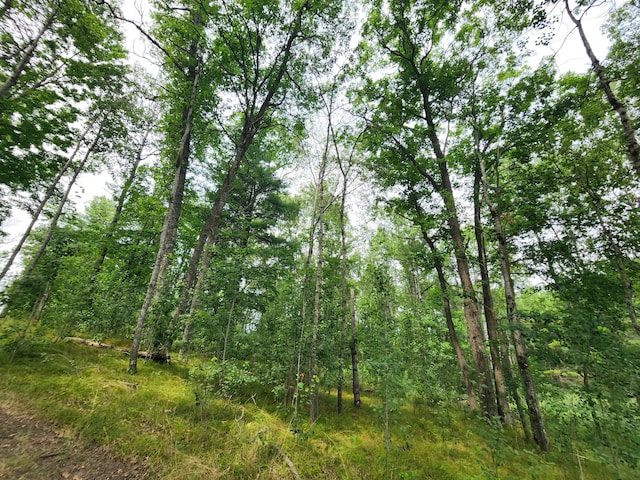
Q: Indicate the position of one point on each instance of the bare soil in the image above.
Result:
(31, 449)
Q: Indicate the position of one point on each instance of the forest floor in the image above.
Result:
(33, 449)
(71, 411)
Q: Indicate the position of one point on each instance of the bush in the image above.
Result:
(223, 379)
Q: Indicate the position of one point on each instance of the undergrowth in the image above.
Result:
(164, 416)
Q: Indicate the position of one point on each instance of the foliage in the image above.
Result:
(447, 114)
(223, 379)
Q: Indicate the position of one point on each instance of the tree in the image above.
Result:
(412, 36)
(489, 310)
(422, 220)
(320, 220)
(259, 79)
(492, 140)
(57, 55)
(619, 105)
(186, 68)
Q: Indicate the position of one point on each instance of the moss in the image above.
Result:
(153, 416)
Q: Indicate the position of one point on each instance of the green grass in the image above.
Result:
(153, 416)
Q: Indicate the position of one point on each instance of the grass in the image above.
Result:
(153, 417)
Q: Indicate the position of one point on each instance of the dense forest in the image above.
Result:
(328, 206)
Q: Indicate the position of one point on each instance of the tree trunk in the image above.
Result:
(632, 145)
(453, 337)
(470, 302)
(63, 201)
(489, 311)
(28, 52)
(343, 285)
(513, 384)
(353, 346)
(228, 330)
(36, 313)
(313, 411)
(119, 206)
(305, 287)
(535, 415)
(208, 235)
(620, 261)
(43, 203)
(169, 232)
(471, 312)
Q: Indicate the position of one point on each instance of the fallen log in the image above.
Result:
(155, 356)
(91, 343)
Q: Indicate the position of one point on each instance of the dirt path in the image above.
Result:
(31, 449)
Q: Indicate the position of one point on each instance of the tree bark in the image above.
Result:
(632, 145)
(343, 277)
(446, 303)
(314, 403)
(305, 287)
(170, 227)
(36, 313)
(343, 296)
(470, 302)
(12, 80)
(353, 346)
(535, 414)
(471, 312)
(489, 311)
(63, 201)
(228, 330)
(513, 385)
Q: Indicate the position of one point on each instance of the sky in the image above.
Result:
(566, 47)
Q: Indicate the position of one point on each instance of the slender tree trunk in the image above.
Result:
(43, 203)
(119, 207)
(343, 286)
(36, 313)
(353, 346)
(453, 337)
(194, 298)
(305, 288)
(63, 201)
(513, 384)
(194, 276)
(316, 321)
(620, 262)
(470, 302)
(388, 326)
(313, 411)
(34, 318)
(472, 314)
(169, 232)
(228, 330)
(27, 54)
(535, 414)
(632, 145)
(489, 311)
